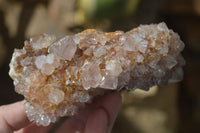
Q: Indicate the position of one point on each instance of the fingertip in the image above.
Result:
(33, 128)
(14, 115)
(111, 103)
(97, 122)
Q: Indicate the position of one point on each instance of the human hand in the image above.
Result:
(97, 117)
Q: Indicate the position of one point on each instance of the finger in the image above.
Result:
(71, 125)
(33, 128)
(14, 116)
(111, 104)
(97, 122)
(78, 122)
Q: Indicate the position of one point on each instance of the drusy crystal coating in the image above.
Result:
(57, 76)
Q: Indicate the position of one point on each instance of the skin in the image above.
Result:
(97, 117)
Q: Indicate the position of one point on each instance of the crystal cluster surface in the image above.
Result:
(57, 76)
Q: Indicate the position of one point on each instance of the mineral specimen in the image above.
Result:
(57, 76)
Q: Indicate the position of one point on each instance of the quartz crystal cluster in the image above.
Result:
(58, 76)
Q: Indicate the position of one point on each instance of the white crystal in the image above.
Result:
(62, 111)
(44, 120)
(90, 39)
(162, 27)
(169, 61)
(164, 50)
(140, 70)
(140, 58)
(122, 39)
(56, 96)
(100, 51)
(84, 98)
(52, 117)
(76, 39)
(159, 72)
(13, 64)
(153, 64)
(50, 58)
(64, 47)
(46, 64)
(43, 41)
(129, 44)
(109, 82)
(177, 75)
(114, 67)
(26, 61)
(177, 45)
(123, 79)
(40, 61)
(90, 75)
(101, 38)
(47, 69)
(89, 50)
(142, 45)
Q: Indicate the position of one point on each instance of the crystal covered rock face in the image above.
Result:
(57, 76)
